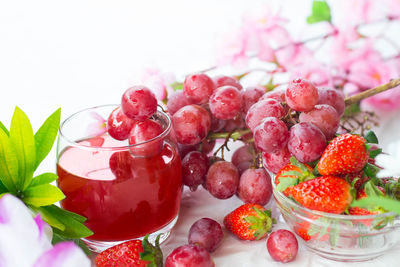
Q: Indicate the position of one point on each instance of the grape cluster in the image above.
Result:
(273, 125)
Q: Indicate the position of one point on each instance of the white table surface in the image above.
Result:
(75, 54)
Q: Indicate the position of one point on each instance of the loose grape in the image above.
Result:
(242, 154)
(306, 142)
(324, 117)
(301, 95)
(225, 103)
(121, 165)
(194, 169)
(190, 256)
(176, 101)
(282, 245)
(275, 161)
(332, 97)
(207, 233)
(222, 179)
(139, 103)
(198, 87)
(271, 135)
(278, 95)
(262, 109)
(119, 125)
(222, 80)
(144, 132)
(244, 165)
(191, 124)
(250, 96)
(255, 187)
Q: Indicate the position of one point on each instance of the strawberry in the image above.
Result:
(132, 253)
(249, 222)
(345, 154)
(292, 174)
(326, 193)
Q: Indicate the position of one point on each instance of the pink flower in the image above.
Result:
(231, 49)
(293, 55)
(159, 82)
(98, 125)
(361, 11)
(314, 71)
(392, 8)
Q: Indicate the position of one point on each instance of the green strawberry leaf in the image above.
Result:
(152, 253)
(381, 201)
(370, 137)
(371, 190)
(251, 219)
(284, 183)
(46, 135)
(333, 233)
(374, 153)
(44, 178)
(73, 227)
(58, 238)
(290, 173)
(22, 140)
(42, 195)
(320, 11)
(4, 129)
(370, 170)
(9, 164)
(3, 189)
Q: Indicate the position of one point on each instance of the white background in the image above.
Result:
(75, 54)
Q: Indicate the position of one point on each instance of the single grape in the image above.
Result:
(207, 233)
(255, 187)
(176, 101)
(278, 95)
(121, 165)
(222, 179)
(332, 97)
(306, 142)
(271, 135)
(301, 95)
(225, 103)
(234, 124)
(222, 80)
(275, 161)
(324, 117)
(198, 87)
(217, 124)
(119, 125)
(139, 103)
(262, 109)
(194, 169)
(144, 132)
(250, 96)
(185, 149)
(244, 165)
(242, 154)
(282, 245)
(189, 256)
(191, 124)
(206, 146)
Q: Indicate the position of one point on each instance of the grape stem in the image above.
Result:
(373, 91)
(235, 135)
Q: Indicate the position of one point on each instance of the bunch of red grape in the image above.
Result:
(273, 125)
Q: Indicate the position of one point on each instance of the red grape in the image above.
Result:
(189, 256)
(324, 117)
(139, 103)
(121, 164)
(206, 233)
(176, 101)
(278, 95)
(271, 135)
(282, 245)
(222, 80)
(185, 149)
(332, 97)
(198, 87)
(222, 179)
(119, 125)
(250, 96)
(226, 102)
(234, 124)
(262, 109)
(275, 161)
(244, 165)
(191, 124)
(306, 142)
(255, 187)
(217, 124)
(301, 95)
(242, 154)
(206, 146)
(142, 132)
(194, 169)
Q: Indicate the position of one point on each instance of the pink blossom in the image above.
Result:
(392, 8)
(314, 71)
(293, 55)
(361, 11)
(159, 82)
(231, 49)
(97, 126)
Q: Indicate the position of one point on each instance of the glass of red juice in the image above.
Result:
(125, 192)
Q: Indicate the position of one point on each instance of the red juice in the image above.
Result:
(123, 197)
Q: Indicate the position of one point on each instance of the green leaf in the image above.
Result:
(374, 153)
(284, 183)
(177, 86)
(3, 189)
(42, 195)
(320, 11)
(58, 238)
(4, 128)
(46, 135)
(370, 137)
(44, 178)
(370, 170)
(384, 202)
(21, 137)
(73, 227)
(9, 164)
(352, 109)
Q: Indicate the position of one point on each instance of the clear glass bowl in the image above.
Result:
(337, 237)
